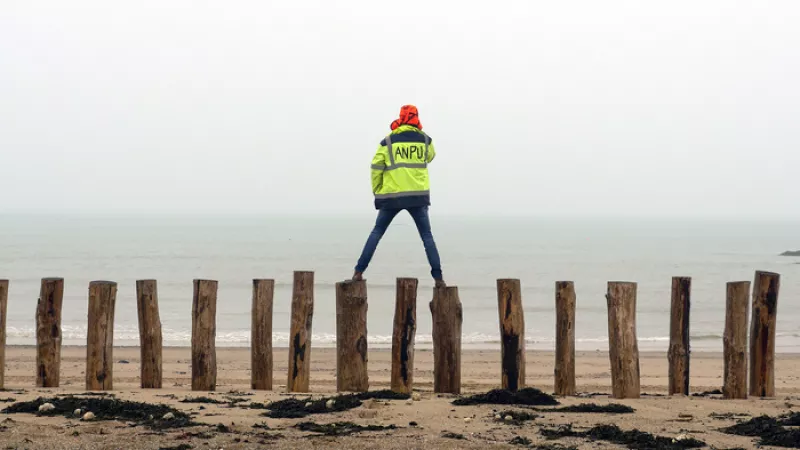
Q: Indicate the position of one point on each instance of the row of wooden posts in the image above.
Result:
(351, 336)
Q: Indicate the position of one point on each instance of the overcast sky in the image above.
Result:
(536, 108)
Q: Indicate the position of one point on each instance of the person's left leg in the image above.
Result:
(421, 219)
(385, 217)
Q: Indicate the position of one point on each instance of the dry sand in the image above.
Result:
(433, 414)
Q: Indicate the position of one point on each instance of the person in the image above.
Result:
(400, 182)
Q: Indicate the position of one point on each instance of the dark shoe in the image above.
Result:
(440, 284)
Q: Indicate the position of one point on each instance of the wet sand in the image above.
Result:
(433, 414)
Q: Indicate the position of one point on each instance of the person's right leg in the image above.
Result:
(421, 219)
(385, 217)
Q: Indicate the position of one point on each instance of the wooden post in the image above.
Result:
(3, 312)
(300, 332)
(405, 329)
(100, 336)
(48, 332)
(261, 335)
(150, 339)
(762, 334)
(678, 354)
(734, 340)
(351, 336)
(204, 331)
(565, 338)
(512, 334)
(623, 350)
(447, 318)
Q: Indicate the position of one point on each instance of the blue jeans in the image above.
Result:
(385, 217)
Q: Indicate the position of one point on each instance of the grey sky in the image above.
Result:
(573, 107)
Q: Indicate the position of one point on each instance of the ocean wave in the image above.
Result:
(239, 337)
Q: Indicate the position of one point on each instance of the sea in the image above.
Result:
(475, 252)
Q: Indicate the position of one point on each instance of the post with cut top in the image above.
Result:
(734, 340)
(261, 335)
(351, 336)
(300, 332)
(405, 329)
(762, 334)
(48, 332)
(512, 334)
(623, 350)
(447, 317)
(100, 336)
(678, 355)
(565, 338)
(150, 339)
(204, 331)
(3, 311)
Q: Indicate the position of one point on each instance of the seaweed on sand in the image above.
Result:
(340, 428)
(633, 439)
(107, 408)
(526, 396)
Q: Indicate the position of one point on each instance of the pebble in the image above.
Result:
(508, 418)
(409, 402)
(467, 419)
(308, 405)
(498, 417)
(77, 412)
(329, 404)
(681, 437)
(88, 416)
(45, 407)
(416, 396)
(168, 416)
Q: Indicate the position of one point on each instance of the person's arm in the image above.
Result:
(378, 167)
(431, 152)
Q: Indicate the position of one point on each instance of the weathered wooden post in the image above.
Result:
(762, 334)
(351, 336)
(150, 339)
(204, 331)
(734, 341)
(300, 332)
(565, 338)
(512, 334)
(403, 333)
(48, 332)
(261, 335)
(100, 336)
(678, 354)
(623, 349)
(3, 312)
(447, 318)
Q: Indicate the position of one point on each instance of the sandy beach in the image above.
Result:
(431, 422)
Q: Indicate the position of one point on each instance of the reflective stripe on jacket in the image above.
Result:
(400, 169)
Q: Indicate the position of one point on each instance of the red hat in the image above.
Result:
(408, 116)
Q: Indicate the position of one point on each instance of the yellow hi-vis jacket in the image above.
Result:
(400, 169)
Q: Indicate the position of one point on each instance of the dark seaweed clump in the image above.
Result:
(770, 430)
(707, 393)
(146, 414)
(517, 417)
(633, 439)
(340, 428)
(177, 447)
(208, 400)
(611, 408)
(451, 435)
(292, 408)
(526, 396)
